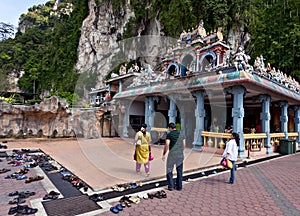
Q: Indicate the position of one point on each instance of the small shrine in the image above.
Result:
(208, 90)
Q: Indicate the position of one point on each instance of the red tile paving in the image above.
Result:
(266, 188)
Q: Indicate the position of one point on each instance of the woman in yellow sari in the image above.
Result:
(142, 149)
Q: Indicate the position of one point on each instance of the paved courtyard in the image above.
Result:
(267, 188)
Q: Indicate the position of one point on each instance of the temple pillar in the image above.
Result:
(197, 60)
(218, 52)
(172, 113)
(284, 118)
(149, 112)
(182, 120)
(265, 118)
(126, 118)
(199, 115)
(238, 114)
(297, 123)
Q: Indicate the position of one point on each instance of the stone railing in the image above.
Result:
(253, 141)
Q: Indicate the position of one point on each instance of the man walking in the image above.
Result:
(175, 144)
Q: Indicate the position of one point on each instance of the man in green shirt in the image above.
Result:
(175, 144)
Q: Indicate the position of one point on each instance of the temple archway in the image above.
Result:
(173, 69)
(187, 64)
(207, 61)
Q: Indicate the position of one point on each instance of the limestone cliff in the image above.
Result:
(102, 38)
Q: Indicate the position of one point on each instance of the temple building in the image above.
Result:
(209, 91)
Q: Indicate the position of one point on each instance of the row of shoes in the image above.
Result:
(22, 209)
(126, 186)
(21, 197)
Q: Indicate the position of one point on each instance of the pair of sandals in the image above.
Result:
(51, 195)
(16, 200)
(96, 197)
(159, 194)
(116, 209)
(19, 209)
(35, 178)
(125, 202)
(4, 170)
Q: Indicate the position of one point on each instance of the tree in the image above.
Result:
(6, 31)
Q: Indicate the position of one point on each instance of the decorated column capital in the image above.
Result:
(235, 90)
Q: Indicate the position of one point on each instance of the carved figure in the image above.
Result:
(220, 34)
(122, 70)
(241, 59)
(201, 29)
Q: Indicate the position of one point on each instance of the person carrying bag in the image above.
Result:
(142, 149)
(231, 153)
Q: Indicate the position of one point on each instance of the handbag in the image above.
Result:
(226, 163)
(150, 155)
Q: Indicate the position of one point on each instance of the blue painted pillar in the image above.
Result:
(265, 118)
(149, 112)
(238, 114)
(126, 118)
(172, 111)
(284, 118)
(297, 122)
(182, 120)
(199, 115)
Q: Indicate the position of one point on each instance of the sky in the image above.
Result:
(11, 10)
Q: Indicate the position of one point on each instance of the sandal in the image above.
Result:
(119, 207)
(114, 210)
(163, 194)
(16, 201)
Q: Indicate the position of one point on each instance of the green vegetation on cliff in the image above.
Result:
(47, 51)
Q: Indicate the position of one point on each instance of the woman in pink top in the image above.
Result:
(231, 153)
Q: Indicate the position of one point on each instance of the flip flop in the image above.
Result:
(119, 207)
(114, 210)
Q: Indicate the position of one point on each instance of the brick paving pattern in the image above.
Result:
(268, 188)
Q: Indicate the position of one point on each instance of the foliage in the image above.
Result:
(46, 51)
(6, 31)
(45, 54)
(275, 32)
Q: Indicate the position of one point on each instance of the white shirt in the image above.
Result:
(231, 149)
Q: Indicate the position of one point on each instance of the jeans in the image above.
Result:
(232, 172)
(179, 169)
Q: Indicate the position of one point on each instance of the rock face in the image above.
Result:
(50, 118)
(101, 46)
